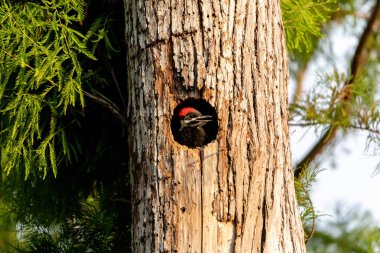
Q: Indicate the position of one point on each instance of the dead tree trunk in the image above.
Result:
(235, 194)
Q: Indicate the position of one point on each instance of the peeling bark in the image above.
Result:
(236, 194)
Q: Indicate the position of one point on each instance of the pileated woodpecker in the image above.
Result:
(191, 132)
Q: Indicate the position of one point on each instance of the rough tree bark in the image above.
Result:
(236, 194)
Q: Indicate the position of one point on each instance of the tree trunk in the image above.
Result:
(235, 194)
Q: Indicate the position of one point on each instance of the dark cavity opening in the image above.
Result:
(185, 130)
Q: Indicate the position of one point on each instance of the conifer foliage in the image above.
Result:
(42, 48)
(303, 20)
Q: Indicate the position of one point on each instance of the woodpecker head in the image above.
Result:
(192, 118)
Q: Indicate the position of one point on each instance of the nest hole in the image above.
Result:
(210, 128)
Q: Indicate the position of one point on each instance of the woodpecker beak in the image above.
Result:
(196, 121)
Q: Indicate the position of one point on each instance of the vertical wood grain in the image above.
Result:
(236, 194)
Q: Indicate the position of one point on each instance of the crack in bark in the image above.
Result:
(263, 212)
(157, 181)
(201, 26)
(255, 84)
(195, 63)
(201, 154)
(246, 204)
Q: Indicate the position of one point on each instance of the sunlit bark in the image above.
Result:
(236, 194)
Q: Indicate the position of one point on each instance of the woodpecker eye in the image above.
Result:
(191, 115)
(194, 123)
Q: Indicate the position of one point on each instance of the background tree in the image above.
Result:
(344, 99)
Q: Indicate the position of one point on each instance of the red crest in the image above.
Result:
(184, 111)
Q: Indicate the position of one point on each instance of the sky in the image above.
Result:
(348, 176)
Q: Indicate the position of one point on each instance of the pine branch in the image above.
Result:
(113, 74)
(43, 49)
(108, 104)
(314, 216)
(356, 63)
(352, 126)
(302, 20)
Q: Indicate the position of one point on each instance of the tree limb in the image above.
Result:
(299, 83)
(356, 63)
(108, 104)
(113, 74)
